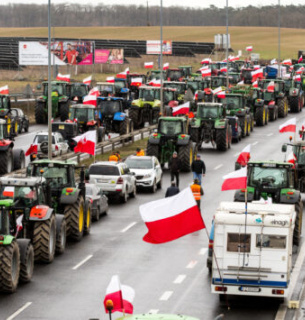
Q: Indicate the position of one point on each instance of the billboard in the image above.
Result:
(153, 47)
(32, 53)
(110, 56)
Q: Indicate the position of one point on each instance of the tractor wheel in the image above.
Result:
(185, 154)
(155, 114)
(248, 126)
(40, 115)
(131, 126)
(134, 116)
(294, 104)
(260, 115)
(9, 267)
(44, 240)
(88, 217)
(195, 134)
(64, 111)
(61, 234)
(6, 161)
(124, 129)
(26, 260)
(272, 115)
(266, 116)
(18, 159)
(243, 126)
(222, 138)
(96, 214)
(74, 214)
(152, 150)
(100, 134)
(283, 107)
(298, 223)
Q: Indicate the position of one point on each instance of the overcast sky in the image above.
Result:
(194, 3)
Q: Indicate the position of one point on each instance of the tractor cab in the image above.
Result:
(78, 92)
(109, 106)
(149, 93)
(194, 85)
(106, 89)
(82, 114)
(210, 111)
(170, 128)
(156, 74)
(174, 74)
(187, 71)
(246, 75)
(220, 81)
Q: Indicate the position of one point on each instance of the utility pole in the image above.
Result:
(49, 84)
(279, 74)
(147, 15)
(227, 43)
(161, 56)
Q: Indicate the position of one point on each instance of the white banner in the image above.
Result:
(153, 47)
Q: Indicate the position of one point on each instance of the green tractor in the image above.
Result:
(180, 87)
(67, 198)
(295, 95)
(61, 92)
(12, 126)
(211, 125)
(275, 180)
(172, 136)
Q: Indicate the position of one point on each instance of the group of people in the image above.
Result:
(116, 157)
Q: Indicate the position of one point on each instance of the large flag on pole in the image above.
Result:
(4, 90)
(182, 109)
(87, 80)
(235, 180)
(288, 126)
(63, 77)
(244, 156)
(121, 296)
(86, 142)
(171, 218)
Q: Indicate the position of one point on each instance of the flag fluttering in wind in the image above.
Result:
(32, 149)
(166, 66)
(137, 82)
(206, 72)
(257, 74)
(270, 87)
(182, 109)
(255, 84)
(155, 83)
(87, 80)
(217, 90)
(206, 61)
(94, 92)
(90, 99)
(300, 59)
(148, 65)
(4, 90)
(110, 79)
(63, 77)
(288, 126)
(244, 156)
(86, 142)
(235, 180)
(123, 75)
(287, 62)
(249, 48)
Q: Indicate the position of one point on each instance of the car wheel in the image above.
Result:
(154, 187)
(124, 197)
(134, 192)
(159, 184)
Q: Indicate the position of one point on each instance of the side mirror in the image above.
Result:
(284, 147)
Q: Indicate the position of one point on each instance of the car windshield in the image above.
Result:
(204, 111)
(268, 177)
(79, 90)
(170, 127)
(25, 195)
(40, 138)
(149, 94)
(104, 170)
(3, 102)
(81, 114)
(233, 102)
(109, 107)
(59, 88)
(139, 163)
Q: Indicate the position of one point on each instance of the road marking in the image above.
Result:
(255, 143)
(180, 279)
(218, 167)
(166, 295)
(153, 311)
(14, 315)
(82, 262)
(203, 251)
(129, 226)
(269, 134)
(192, 264)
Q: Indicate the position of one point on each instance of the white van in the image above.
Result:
(255, 260)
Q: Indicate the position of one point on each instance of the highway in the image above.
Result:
(167, 278)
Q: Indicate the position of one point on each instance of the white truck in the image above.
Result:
(255, 260)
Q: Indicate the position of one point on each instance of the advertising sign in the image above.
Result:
(33, 53)
(153, 47)
(110, 56)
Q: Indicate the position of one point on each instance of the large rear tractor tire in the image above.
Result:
(44, 240)
(100, 134)
(155, 114)
(260, 116)
(222, 139)
(75, 218)
(298, 223)
(18, 159)
(152, 150)
(134, 116)
(294, 104)
(185, 154)
(9, 267)
(243, 126)
(283, 107)
(6, 161)
(195, 134)
(40, 115)
(26, 260)
(64, 111)
(88, 217)
(124, 127)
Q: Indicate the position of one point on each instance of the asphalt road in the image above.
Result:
(167, 278)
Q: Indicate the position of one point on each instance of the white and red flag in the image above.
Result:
(256, 67)
(206, 61)
(288, 126)
(86, 142)
(87, 80)
(217, 90)
(270, 87)
(4, 90)
(110, 79)
(123, 75)
(32, 149)
(241, 83)
(148, 65)
(292, 158)
(94, 92)
(221, 95)
(171, 218)
(182, 109)
(136, 81)
(19, 225)
(257, 74)
(249, 48)
(90, 99)
(235, 180)
(223, 69)
(122, 296)
(300, 59)
(234, 58)
(8, 192)
(273, 61)
(206, 72)
(155, 83)
(166, 66)
(287, 62)
(297, 77)
(300, 70)
(244, 156)
(63, 77)
(255, 84)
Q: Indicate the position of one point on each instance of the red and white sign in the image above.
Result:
(250, 48)
(110, 79)
(206, 61)
(300, 70)
(86, 142)
(122, 296)
(257, 74)
(4, 90)
(292, 158)
(166, 66)
(297, 77)
(235, 180)
(244, 156)
(171, 218)
(270, 87)
(63, 77)
(206, 72)
(90, 100)
(182, 109)
(288, 126)
(94, 92)
(87, 80)
(287, 62)
(136, 81)
(8, 192)
(32, 149)
(148, 65)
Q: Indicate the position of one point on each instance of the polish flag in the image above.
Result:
(270, 87)
(94, 92)
(206, 72)
(300, 70)
(255, 84)
(300, 59)
(292, 158)
(32, 149)
(87, 80)
(121, 296)
(155, 83)
(90, 100)
(221, 95)
(256, 67)
(8, 192)
(171, 218)
(165, 66)
(232, 58)
(250, 48)
(223, 69)
(110, 79)
(244, 156)
(182, 109)
(148, 65)
(123, 75)
(4, 90)
(86, 142)
(19, 225)
(297, 77)
(257, 74)
(235, 180)
(63, 77)
(288, 126)
(136, 82)
(241, 83)
(217, 90)
(273, 61)
(206, 61)
(287, 62)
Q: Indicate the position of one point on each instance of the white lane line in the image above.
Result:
(218, 167)
(180, 279)
(129, 226)
(255, 143)
(203, 251)
(166, 295)
(82, 262)
(269, 134)
(153, 311)
(192, 264)
(14, 315)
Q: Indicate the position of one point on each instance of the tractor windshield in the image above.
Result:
(81, 114)
(175, 75)
(268, 96)
(79, 90)
(217, 82)
(4, 102)
(59, 175)
(109, 107)
(299, 152)
(268, 177)
(25, 195)
(119, 85)
(105, 88)
(59, 88)
(180, 87)
(207, 112)
(168, 96)
(149, 94)
(193, 85)
(233, 102)
(169, 127)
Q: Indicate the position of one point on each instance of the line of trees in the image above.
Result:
(31, 15)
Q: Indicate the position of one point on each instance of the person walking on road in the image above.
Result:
(174, 166)
(198, 168)
(172, 190)
(197, 191)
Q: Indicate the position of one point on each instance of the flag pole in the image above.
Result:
(246, 213)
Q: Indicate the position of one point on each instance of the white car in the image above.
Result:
(147, 170)
(59, 145)
(114, 179)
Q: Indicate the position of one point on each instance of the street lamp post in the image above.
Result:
(279, 41)
(227, 44)
(161, 58)
(49, 84)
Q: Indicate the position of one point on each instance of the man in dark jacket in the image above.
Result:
(172, 190)
(198, 168)
(174, 166)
